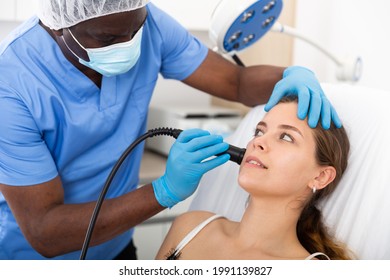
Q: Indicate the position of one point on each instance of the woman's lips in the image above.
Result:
(255, 161)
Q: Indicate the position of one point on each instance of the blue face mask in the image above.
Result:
(115, 59)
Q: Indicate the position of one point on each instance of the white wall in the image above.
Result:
(195, 15)
(172, 92)
(345, 28)
(6, 27)
(17, 9)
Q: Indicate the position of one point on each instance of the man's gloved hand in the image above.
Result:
(185, 168)
(312, 101)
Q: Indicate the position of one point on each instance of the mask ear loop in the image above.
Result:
(81, 46)
(74, 38)
(67, 46)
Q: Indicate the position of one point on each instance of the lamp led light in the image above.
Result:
(236, 25)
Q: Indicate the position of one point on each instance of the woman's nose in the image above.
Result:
(260, 143)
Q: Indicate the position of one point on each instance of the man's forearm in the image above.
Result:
(257, 83)
(64, 227)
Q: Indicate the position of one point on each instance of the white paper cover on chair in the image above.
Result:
(359, 209)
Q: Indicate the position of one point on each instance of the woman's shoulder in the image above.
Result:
(180, 228)
(188, 220)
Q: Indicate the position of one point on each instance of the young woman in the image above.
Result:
(287, 170)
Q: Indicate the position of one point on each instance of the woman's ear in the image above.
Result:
(325, 177)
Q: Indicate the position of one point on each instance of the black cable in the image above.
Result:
(238, 60)
(236, 155)
(150, 133)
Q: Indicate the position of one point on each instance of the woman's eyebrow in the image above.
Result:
(289, 127)
(282, 126)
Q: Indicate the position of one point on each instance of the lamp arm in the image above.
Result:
(348, 69)
(278, 27)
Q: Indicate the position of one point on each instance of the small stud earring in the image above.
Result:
(314, 189)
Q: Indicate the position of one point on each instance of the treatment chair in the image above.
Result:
(359, 209)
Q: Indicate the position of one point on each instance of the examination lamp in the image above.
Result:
(236, 25)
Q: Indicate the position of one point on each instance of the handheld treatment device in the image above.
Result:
(236, 155)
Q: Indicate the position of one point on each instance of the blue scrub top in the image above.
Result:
(56, 121)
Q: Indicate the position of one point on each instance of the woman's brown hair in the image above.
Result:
(332, 149)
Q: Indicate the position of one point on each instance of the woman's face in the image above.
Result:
(280, 159)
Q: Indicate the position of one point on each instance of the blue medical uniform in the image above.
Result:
(56, 121)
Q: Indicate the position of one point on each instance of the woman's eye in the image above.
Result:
(286, 137)
(259, 132)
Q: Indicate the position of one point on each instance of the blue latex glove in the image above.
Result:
(185, 168)
(312, 101)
